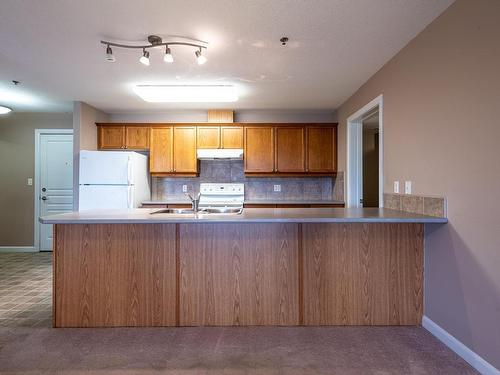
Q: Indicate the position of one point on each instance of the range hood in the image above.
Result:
(218, 153)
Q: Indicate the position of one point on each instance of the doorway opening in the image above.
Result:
(53, 180)
(365, 181)
(371, 134)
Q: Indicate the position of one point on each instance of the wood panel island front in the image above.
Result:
(282, 267)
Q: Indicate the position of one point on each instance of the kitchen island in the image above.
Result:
(313, 266)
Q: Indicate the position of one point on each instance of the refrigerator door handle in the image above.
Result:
(129, 171)
(129, 198)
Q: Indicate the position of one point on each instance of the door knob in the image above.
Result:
(43, 189)
(44, 198)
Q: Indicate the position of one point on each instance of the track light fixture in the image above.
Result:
(145, 57)
(156, 41)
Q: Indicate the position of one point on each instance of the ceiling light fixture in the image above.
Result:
(156, 41)
(4, 110)
(168, 58)
(186, 93)
(144, 58)
(200, 58)
(109, 54)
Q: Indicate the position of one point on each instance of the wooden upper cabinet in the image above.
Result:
(137, 137)
(322, 149)
(259, 149)
(208, 137)
(185, 149)
(116, 137)
(111, 137)
(231, 136)
(290, 149)
(161, 158)
(220, 115)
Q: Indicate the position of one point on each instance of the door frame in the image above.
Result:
(38, 136)
(354, 175)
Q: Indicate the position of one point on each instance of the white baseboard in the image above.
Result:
(474, 359)
(18, 249)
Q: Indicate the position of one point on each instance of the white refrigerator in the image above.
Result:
(113, 179)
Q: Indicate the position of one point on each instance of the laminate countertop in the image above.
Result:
(249, 215)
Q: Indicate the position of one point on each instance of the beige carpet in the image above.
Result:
(29, 346)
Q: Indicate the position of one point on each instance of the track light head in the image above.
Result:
(200, 58)
(144, 58)
(109, 55)
(168, 58)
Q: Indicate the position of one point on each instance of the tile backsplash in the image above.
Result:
(256, 188)
(418, 204)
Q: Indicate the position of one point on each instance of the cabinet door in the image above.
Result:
(321, 149)
(290, 149)
(161, 158)
(111, 137)
(137, 137)
(259, 149)
(208, 137)
(231, 136)
(185, 149)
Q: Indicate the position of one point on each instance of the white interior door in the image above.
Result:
(56, 181)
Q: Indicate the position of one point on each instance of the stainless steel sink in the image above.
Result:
(222, 210)
(214, 210)
(174, 211)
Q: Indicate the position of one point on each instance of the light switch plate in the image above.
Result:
(396, 187)
(277, 188)
(407, 187)
(30, 181)
(184, 188)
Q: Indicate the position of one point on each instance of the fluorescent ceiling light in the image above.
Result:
(186, 93)
(4, 110)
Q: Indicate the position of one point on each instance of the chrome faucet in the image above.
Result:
(195, 202)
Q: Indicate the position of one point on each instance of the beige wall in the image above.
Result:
(239, 116)
(441, 131)
(17, 163)
(85, 137)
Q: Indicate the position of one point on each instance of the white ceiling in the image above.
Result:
(53, 47)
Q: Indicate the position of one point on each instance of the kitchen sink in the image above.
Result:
(210, 210)
(222, 210)
(174, 211)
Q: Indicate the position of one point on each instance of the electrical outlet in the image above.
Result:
(396, 187)
(277, 188)
(184, 188)
(30, 181)
(407, 187)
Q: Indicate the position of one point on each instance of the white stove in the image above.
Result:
(222, 195)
